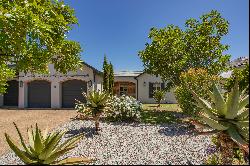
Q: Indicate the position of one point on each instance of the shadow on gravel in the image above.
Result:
(88, 132)
(176, 130)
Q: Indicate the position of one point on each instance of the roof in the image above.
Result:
(94, 69)
(127, 73)
(240, 62)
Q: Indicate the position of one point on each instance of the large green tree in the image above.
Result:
(105, 69)
(174, 50)
(33, 33)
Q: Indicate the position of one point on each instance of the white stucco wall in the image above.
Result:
(98, 83)
(143, 91)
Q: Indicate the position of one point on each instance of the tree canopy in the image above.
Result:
(174, 50)
(33, 33)
(108, 76)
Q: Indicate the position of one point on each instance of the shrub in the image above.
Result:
(44, 148)
(200, 81)
(124, 108)
(159, 95)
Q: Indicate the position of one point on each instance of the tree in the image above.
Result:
(105, 69)
(33, 34)
(111, 78)
(159, 95)
(173, 50)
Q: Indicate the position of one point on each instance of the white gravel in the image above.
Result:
(122, 143)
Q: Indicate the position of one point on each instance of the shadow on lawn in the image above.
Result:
(160, 117)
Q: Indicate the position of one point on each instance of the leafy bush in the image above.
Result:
(44, 148)
(124, 108)
(200, 81)
(159, 95)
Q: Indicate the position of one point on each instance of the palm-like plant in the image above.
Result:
(97, 103)
(159, 95)
(229, 117)
(44, 148)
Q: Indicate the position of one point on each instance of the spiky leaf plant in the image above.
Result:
(159, 96)
(97, 103)
(44, 148)
(228, 117)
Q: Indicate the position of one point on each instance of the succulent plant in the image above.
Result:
(97, 103)
(229, 117)
(44, 148)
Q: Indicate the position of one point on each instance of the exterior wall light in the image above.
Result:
(20, 83)
(89, 83)
(144, 83)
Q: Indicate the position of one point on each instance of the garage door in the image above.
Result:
(39, 94)
(11, 95)
(72, 90)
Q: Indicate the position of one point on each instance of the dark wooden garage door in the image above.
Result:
(39, 94)
(72, 90)
(11, 95)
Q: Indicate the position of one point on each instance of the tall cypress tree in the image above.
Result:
(111, 78)
(105, 69)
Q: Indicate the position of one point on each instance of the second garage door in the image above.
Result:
(72, 91)
(39, 94)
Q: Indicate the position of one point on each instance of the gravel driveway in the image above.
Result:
(121, 143)
(26, 118)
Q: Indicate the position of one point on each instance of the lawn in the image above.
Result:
(26, 118)
(166, 113)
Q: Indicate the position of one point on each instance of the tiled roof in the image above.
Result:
(127, 73)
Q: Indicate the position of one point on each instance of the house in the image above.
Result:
(57, 90)
(54, 90)
(141, 86)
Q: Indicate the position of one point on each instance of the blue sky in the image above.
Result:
(119, 28)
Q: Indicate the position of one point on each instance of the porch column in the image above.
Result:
(23, 94)
(55, 94)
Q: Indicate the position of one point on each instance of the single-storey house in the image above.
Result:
(57, 90)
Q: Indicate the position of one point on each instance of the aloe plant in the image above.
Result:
(228, 117)
(97, 103)
(159, 96)
(44, 148)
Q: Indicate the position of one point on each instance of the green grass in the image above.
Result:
(163, 107)
(164, 114)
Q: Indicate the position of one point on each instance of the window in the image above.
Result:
(156, 86)
(123, 90)
(153, 87)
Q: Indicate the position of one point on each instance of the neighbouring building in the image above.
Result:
(57, 90)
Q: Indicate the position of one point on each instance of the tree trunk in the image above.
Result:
(226, 149)
(97, 122)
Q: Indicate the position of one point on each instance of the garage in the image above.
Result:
(39, 94)
(72, 91)
(11, 95)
